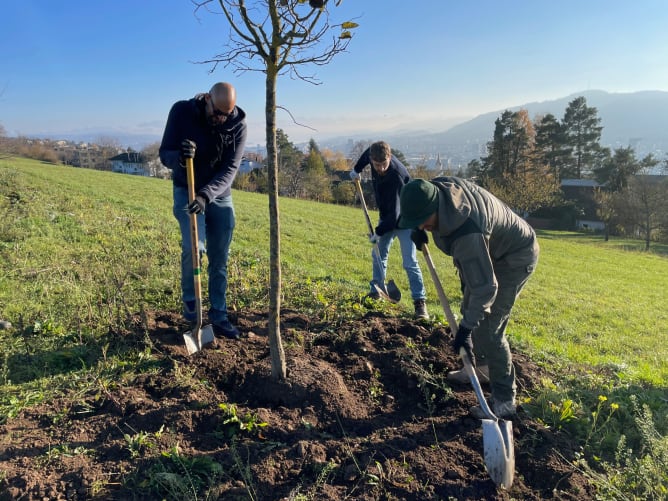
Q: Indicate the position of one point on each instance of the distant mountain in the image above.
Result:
(638, 119)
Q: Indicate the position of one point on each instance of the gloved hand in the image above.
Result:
(463, 340)
(373, 238)
(187, 149)
(419, 237)
(197, 206)
(354, 175)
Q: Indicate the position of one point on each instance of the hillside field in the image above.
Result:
(99, 400)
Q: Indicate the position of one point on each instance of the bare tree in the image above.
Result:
(645, 205)
(278, 37)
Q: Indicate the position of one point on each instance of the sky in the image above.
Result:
(117, 66)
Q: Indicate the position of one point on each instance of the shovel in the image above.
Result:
(388, 291)
(497, 434)
(198, 337)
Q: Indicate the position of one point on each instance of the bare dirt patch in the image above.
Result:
(365, 414)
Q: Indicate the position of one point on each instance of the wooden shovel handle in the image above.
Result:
(468, 367)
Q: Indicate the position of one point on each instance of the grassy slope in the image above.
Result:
(78, 246)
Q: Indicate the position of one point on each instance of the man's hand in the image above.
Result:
(197, 206)
(188, 148)
(373, 238)
(354, 175)
(419, 238)
(463, 340)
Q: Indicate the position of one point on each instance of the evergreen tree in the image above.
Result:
(582, 134)
(511, 149)
(550, 144)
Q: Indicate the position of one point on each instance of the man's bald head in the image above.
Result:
(224, 96)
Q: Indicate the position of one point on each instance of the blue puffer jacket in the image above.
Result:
(219, 148)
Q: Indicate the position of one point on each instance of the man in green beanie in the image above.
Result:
(495, 251)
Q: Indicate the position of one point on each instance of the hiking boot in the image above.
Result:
(502, 410)
(461, 377)
(189, 313)
(420, 309)
(226, 329)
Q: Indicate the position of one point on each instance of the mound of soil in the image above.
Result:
(365, 414)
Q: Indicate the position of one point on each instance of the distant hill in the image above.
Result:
(638, 119)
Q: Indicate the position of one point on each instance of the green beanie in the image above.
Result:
(418, 200)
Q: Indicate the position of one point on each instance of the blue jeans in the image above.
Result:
(215, 228)
(408, 256)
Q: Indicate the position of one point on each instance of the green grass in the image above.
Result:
(82, 251)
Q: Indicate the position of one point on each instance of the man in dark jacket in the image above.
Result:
(388, 176)
(494, 250)
(211, 129)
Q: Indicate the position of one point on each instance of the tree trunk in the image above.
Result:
(274, 320)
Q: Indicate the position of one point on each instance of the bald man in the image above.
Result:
(211, 129)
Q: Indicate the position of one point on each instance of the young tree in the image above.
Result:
(278, 37)
(582, 136)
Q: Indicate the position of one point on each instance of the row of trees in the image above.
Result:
(314, 175)
(528, 160)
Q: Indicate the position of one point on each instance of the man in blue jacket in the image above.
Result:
(211, 129)
(388, 176)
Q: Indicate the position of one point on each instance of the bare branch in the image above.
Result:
(276, 37)
(293, 118)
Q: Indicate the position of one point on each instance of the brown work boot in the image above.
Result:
(420, 309)
(461, 377)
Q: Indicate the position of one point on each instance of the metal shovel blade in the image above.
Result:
(497, 435)
(499, 451)
(197, 339)
(393, 291)
(389, 293)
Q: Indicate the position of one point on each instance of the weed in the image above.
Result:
(63, 450)
(233, 423)
(138, 442)
(325, 471)
(633, 476)
(551, 407)
(244, 469)
(4, 370)
(376, 390)
(431, 382)
(598, 424)
(175, 476)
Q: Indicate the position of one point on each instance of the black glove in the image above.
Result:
(419, 237)
(463, 340)
(187, 149)
(197, 206)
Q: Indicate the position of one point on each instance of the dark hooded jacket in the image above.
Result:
(481, 233)
(386, 189)
(219, 148)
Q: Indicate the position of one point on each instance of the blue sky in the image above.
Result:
(77, 66)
